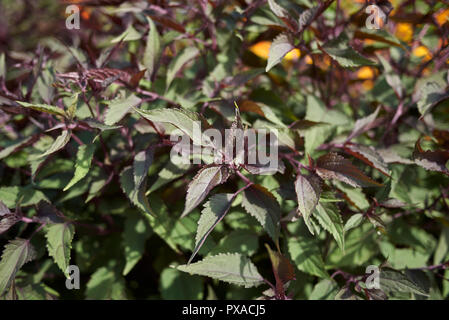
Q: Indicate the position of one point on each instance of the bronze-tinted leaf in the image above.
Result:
(334, 166)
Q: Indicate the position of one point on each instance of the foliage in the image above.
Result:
(361, 118)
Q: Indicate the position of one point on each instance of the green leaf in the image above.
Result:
(30, 196)
(346, 56)
(141, 164)
(176, 285)
(58, 144)
(106, 284)
(261, 204)
(306, 255)
(15, 254)
(169, 172)
(279, 48)
(152, 49)
(326, 289)
(329, 218)
(2, 66)
(354, 221)
(395, 281)
(59, 243)
(94, 123)
(214, 211)
(308, 190)
(135, 195)
(187, 121)
(130, 34)
(117, 109)
(44, 108)
(13, 147)
(83, 160)
(200, 186)
(233, 268)
(179, 61)
(430, 91)
(443, 246)
(135, 235)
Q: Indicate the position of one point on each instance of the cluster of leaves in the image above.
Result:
(87, 179)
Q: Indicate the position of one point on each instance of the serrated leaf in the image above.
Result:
(58, 144)
(307, 16)
(59, 243)
(308, 190)
(179, 61)
(334, 166)
(135, 195)
(233, 268)
(306, 255)
(329, 218)
(117, 109)
(187, 121)
(205, 180)
(368, 155)
(152, 49)
(431, 160)
(15, 254)
(339, 50)
(135, 235)
(82, 165)
(214, 211)
(395, 281)
(277, 9)
(279, 48)
(261, 204)
(44, 108)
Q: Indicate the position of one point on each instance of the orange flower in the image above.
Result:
(368, 84)
(404, 31)
(442, 16)
(422, 52)
(262, 49)
(308, 59)
(365, 73)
